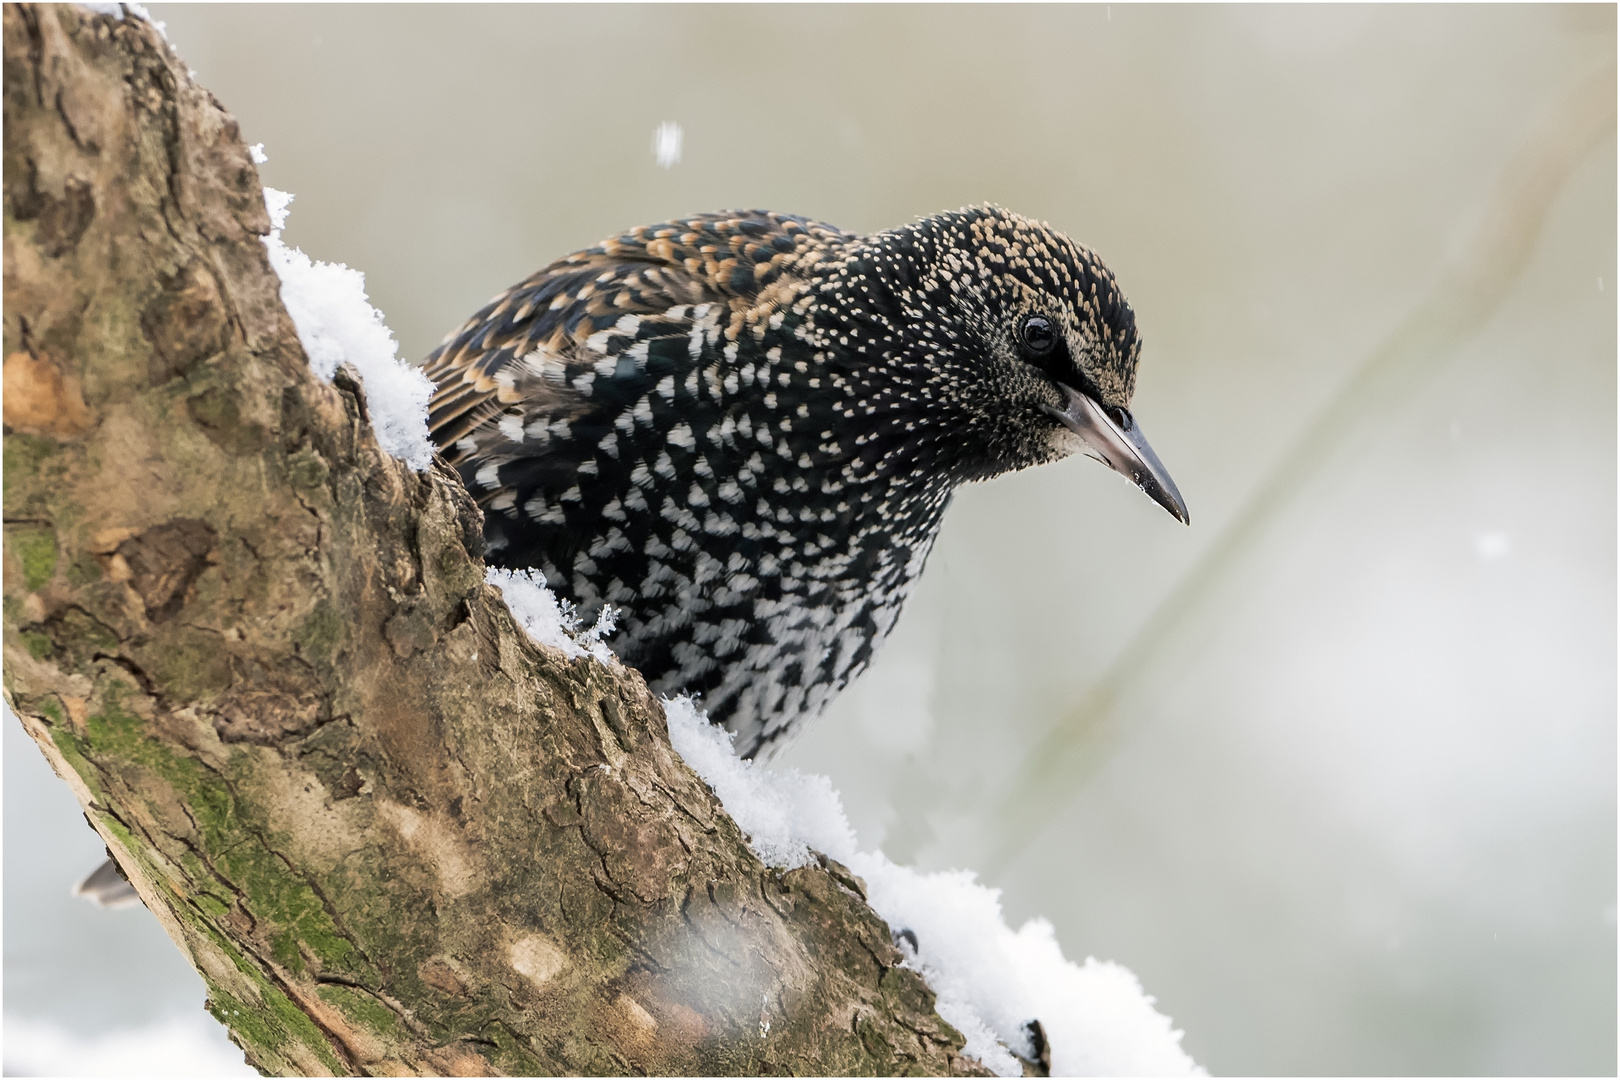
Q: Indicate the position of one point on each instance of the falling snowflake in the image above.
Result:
(667, 143)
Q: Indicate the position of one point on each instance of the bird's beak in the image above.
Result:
(1119, 444)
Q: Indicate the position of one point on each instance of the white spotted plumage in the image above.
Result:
(744, 430)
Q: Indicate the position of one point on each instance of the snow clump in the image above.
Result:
(337, 325)
(990, 980)
(550, 621)
(789, 816)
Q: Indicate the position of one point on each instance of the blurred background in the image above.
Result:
(1333, 771)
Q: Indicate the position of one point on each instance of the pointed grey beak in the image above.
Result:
(1117, 442)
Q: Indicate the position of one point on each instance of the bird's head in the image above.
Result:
(1019, 344)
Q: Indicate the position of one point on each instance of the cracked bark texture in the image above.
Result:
(393, 834)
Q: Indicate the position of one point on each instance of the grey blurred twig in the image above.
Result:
(1469, 290)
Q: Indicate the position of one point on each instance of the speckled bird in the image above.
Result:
(742, 430)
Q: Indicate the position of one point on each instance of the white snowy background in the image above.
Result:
(1361, 818)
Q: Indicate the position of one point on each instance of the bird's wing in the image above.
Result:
(539, 346)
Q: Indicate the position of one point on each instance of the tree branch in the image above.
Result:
(391, 832)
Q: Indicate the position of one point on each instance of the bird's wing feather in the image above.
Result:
(531, 343)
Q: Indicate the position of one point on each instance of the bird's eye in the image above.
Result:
(1038, 334)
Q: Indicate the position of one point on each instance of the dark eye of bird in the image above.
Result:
(1037, 334)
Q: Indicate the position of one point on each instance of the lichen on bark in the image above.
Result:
(392, 833)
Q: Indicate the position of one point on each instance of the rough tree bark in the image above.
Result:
(392, 834)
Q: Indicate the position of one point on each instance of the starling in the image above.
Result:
(742, 429)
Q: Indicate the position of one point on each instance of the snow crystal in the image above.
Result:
(990, 980)
(336, 324)
(550, 621)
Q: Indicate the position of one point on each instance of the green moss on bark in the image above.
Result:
(320, 634)
(35, 549)
(269, 890)
(24, 457)
(37, 644)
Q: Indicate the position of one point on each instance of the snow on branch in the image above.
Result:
(337, 325)
(991, 980)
